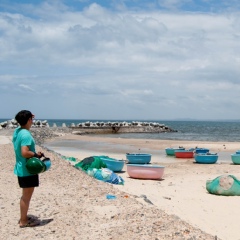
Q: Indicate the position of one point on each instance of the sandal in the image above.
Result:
(29, 219)
(30, 224)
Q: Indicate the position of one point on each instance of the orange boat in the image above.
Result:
(184, 153)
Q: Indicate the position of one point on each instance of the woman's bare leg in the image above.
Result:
(24, 204)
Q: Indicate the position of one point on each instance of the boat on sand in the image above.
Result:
(145, 171)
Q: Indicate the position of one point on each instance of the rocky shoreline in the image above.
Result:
(40, 134)
(42, 131)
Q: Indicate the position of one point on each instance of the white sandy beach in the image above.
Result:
(182, 191)
(72, 205)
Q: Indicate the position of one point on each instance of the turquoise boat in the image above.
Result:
(235, 158)
(201, 150)
(138, 158)
(206, 158)
(171, 151)
(113, 164)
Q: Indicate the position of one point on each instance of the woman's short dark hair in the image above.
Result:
(23, 116)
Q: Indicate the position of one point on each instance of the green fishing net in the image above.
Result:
(90, 163)
(226, 185)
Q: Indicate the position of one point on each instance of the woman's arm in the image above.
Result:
(26, 153)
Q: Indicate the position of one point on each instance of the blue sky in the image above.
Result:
(166, 59)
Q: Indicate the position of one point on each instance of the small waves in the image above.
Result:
(214, 131)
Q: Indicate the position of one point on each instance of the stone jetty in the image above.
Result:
(120, 127)
(98, 127)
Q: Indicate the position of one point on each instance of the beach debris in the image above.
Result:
(106, 175)
(72, 159)
(226, 185)
(168, 198)
(109, 196)
(146, 199)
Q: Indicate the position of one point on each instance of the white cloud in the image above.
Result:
(25, 87)
(97, 59)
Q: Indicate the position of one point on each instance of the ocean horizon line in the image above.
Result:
(142, 120)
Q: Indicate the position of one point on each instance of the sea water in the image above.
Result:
(224, 131)
(214, 131)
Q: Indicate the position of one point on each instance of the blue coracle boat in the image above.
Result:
(138, 158)
(113, 164)
(236, 158)
(207, 158)
(201, 150)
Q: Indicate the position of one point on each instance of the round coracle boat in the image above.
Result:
(184, 153)
(171, 151)
(138, 158)
(201, 150)
(113, 164)
(207, 158)
(145, 171)
(235, 158)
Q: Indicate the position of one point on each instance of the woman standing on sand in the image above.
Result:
(24, 147)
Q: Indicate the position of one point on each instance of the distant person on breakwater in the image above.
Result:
(24, 147)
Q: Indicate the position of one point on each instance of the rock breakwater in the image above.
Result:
(13, 124)
(120, 127)
(41, 129)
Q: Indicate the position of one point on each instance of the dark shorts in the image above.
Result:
(29, 181)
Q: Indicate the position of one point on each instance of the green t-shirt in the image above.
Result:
(22, 137)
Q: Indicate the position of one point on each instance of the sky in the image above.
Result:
(120, 59)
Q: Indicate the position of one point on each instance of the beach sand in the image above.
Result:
(72, 205)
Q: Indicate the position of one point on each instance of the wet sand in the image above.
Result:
(85, 146)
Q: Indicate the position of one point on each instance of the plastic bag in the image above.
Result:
(105, 175)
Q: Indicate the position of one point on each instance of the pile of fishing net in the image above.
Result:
(226, 185)
(96, 168)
